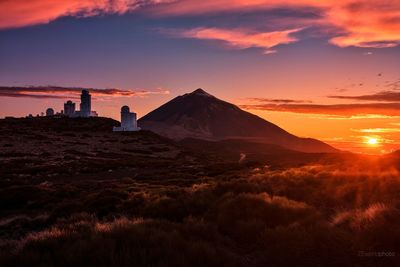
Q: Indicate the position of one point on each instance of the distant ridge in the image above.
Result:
(201, 115)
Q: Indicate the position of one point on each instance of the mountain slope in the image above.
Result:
(201, 115)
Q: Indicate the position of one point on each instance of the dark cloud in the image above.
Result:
(9, 94)
(341, 90)
(386, 96)
(277, 100)
(69, 92)
(387, 109)
(393, 85)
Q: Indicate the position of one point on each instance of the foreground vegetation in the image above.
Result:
(185, 206)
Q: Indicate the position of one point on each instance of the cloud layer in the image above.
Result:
(242, 38)
(20, 13)
(385, 103)
(385, 96)
(71, 92)
(360, 23)
(277, 100)
(387, 109)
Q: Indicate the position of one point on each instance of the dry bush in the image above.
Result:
(87, 242)
(311, 215)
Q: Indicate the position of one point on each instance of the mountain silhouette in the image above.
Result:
(203, 116)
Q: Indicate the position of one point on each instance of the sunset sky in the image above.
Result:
(323, 69)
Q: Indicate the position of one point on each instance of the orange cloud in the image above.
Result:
(387, 109)
(242, 38)
(377, 130)
(366, 23)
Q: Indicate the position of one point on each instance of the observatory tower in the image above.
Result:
(128, 121)
(69, 108)
(86, 104)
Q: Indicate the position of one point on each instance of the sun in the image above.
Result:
(372, 141)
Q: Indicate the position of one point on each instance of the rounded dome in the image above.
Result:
(125, 109)
(49, 112)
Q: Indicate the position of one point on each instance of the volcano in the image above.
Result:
(200, 115)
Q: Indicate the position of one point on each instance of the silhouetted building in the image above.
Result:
(50, 112)
(86, 104)
(128, 121)
(69, 108)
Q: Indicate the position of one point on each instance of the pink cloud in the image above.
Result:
(20, 13)
(197, 7)
(360, 23)
(365, 23)
(242, 38)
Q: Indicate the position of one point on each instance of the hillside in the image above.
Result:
(43, 148)
(74, 193)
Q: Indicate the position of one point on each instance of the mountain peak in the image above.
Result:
(200, 91)
(203, 116)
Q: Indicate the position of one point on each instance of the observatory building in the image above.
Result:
(128, 121)
(49, 112)
(69, 108)
(86, 104)
(86, 107)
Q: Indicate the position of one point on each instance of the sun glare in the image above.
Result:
(372, 141)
